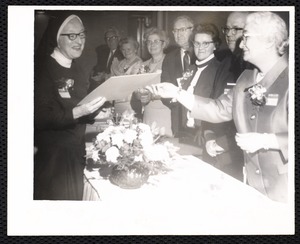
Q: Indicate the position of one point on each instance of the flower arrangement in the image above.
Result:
(129, 144)
(257, 94)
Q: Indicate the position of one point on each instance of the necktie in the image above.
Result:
(109, 62)
(186, 61)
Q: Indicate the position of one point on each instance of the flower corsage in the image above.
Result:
(182, 80)
(257, 94)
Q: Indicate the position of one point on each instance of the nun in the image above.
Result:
(59, 122)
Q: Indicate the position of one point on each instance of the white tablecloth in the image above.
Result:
(194, 198)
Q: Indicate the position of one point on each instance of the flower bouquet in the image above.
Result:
(130, 152)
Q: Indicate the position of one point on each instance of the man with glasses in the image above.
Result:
(105, 55)
(176, 63)
(220, 144)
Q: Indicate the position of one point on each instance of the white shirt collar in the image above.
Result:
(205, 60)
(61, 59)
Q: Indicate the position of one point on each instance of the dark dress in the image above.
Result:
(60, 139)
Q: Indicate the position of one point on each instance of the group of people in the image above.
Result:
(232, 104)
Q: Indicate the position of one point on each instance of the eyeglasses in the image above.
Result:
(233, 30)
(203, 44)
(181, 30)
(245, 37)
(111, 38)
(73, 36)
(155, 42)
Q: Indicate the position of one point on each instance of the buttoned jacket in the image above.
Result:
(266, 169)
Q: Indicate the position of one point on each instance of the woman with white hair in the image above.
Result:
(258, 104)
(59, 121)
(151, 109)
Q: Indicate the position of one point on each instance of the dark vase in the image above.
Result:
(131, 177)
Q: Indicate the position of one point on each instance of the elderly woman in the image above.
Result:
(258, 105)
(153, 109)
(129, 65)
(201, 79)
(59, 121)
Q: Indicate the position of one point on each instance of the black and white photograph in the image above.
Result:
(151, 120)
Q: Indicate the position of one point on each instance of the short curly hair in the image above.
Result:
(273, 27)
(161, 33)
(131, 40)
(210, 29)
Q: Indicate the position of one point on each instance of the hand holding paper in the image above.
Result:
(120, 87)
(88, 108)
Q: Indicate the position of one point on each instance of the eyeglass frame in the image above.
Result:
(246, 35)
(81, 35)
(112, 37)
(234, 30)
(182, 30)
(155, 42)
(203, 44)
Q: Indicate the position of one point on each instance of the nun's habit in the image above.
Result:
(59, 138)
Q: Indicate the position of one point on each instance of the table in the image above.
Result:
(194, 198)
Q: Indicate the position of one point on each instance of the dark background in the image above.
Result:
(129, 23)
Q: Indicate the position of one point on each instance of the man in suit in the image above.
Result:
(176, 63)
(105, 55)
(221, 148)
(258, 104)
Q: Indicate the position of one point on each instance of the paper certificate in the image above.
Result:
(120, 87)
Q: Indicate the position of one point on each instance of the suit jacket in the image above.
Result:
(101, 66)
(229, 70)
(102, 57)
(171, 70)
(266, 169)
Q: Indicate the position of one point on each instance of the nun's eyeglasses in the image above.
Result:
(73, 36)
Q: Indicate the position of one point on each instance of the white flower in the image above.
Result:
(146, 139)
(95, 156)
(112, 154)
(104, 136)
(130, 135)
(139, 158)
(117, 139)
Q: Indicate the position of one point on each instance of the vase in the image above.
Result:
(131, 177)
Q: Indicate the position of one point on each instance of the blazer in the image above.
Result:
(171, 70)
(101, 66)
(229, 70)
(267, 170)
(102, 57)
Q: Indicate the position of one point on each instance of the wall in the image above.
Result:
(96, 22)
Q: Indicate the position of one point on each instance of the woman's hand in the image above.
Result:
(213, 149)
(100, 76)
(88, 108)
(144, 95)
(252, 142)
(164, 90)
